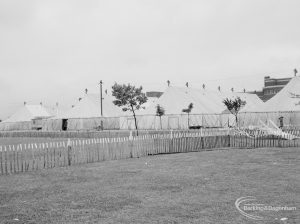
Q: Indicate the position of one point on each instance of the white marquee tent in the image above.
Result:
(287, 99)
(25, 118)
(86, 114)
(207, 110)
(286, 104)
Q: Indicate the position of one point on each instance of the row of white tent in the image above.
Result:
(208, 111)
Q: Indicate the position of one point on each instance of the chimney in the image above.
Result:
(41, 103)
(168, 83)
(24, 103)
(187, 84)
(86, 91)
(219, 88)
(203, 86)
(232, 89)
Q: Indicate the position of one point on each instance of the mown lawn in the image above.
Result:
(196, 187)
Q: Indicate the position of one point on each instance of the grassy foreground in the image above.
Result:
(179, 188)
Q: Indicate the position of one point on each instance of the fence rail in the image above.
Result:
(106, 134)
(36, 156)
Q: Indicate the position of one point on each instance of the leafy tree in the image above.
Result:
(160, 111)
(234, 106)
(188, 111)
(129, 97)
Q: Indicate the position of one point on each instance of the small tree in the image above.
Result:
(129, 98)
(160, 111)
(234, 106)
(188, 111)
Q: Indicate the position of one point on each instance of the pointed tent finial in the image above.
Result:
(295, 72)
(168, 83)
(86, 91)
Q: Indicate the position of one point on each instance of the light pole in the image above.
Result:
(101, 106)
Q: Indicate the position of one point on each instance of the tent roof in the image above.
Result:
(89, 106)
(287, 99)
(175, 99)
(56, 111)
(28, 113)
(253, 102)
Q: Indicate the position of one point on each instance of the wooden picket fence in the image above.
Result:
(35, 156)
(106, 134)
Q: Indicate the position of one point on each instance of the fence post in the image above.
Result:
(171, 142)
(131, 145)
(69, 152)
(1, 167)
(279, 142)
(229, 141)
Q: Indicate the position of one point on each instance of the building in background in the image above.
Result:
(154, 94)
(271, 87)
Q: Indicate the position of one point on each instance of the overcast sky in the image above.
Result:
(50, 51)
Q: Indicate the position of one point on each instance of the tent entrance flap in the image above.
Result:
(64, 124)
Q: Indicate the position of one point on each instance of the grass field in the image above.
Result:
(199, 187)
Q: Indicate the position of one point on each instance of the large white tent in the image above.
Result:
(287, 99)
(86, 114)
(286, 104)
(29, 113)
(26, 118)
(90, 106)
(207, 109)
(204, 101)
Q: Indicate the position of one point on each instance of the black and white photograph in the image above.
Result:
(150, 111)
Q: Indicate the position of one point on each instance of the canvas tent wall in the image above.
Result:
(207, 110)
(26, 118)
(254, 119)
(169, 121)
